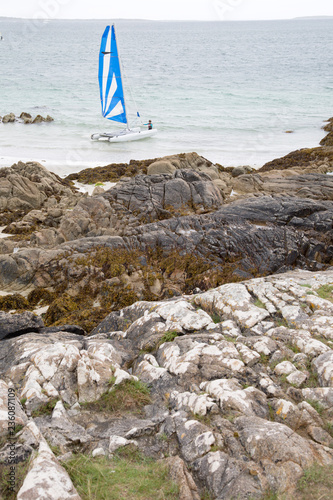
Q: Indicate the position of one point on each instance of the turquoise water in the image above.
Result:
(228, 90)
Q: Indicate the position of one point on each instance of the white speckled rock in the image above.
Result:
(297, 378)
(148, 370)
(223, 353)
(249, 356)
(46, 479)
(50, 390)
(122, 375)
(322, 394)
(317, 303)
(59, 411)
(308, 345)
(284, 368)
(267, 385)
(32, 387)
(200, 405)
(229, 478)
(230, 328)
(9, 402)
(285, 408)
(322, 325)
(194, 439)
(98, 452)
(323, 366)
(93, 377)
(53, 357)
(185, 314)
(295, 316)
(265, 291)
(104, 352)
(230, 396)
(234, 301)
(265, 346)
(119, 442)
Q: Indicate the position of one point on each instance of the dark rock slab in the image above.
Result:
(18, 324)
(77, 330)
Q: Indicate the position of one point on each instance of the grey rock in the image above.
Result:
(22, 452)
(19, 324)
(161, 167)
(280, 450)
(323, 366)
(227, 477)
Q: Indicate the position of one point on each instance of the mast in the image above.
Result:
(121, 75)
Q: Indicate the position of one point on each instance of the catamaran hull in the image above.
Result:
(127, 137)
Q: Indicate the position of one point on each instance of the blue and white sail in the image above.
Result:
(109, 77)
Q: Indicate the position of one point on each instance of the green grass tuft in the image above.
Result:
(316, 483)
(130, 395)
(137, 478)
(167, 337)
(21, 470)
(325, 292)
(45, 409)
(316, 405)
(260, 304)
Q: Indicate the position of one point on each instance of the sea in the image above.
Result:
(237, 93)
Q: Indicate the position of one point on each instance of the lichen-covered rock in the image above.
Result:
(283, 453)
(324, 395)
(323, 365)
(233, 300)
(195, 440)
(47, 479)
(197, 404)
(234, 386)
(11, 413)
(227, 477)
(230, 396)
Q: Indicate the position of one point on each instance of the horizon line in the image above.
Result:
(169, 20)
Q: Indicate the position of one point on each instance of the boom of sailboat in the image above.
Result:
(112, 93)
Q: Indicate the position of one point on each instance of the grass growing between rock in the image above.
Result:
(131, 477)
(21, 470)
(260, 304)
(45, 409)
(316, 405)
(167, 337)
(130, 395)
(325, 292)
(316, 483)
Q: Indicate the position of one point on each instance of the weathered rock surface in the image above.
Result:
(171, 273)
(46, 478)
(221, 398)
(18, 324)
(30, 186)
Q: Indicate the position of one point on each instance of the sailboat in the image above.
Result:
(112, 93)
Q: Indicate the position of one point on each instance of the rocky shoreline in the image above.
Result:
(199, 296)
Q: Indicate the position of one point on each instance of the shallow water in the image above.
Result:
(229, 90)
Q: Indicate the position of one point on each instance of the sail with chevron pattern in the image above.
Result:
(109, 77)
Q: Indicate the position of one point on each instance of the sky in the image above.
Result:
(204, 10)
